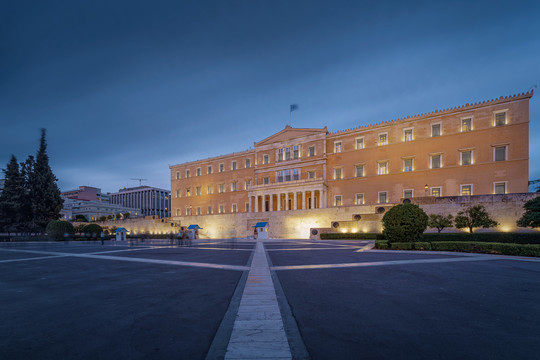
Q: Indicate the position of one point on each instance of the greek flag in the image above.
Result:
(294, 107)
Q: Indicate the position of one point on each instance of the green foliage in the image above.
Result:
(499, 237)
(411, 246)
(487, 248)
(118, 216)
(110, 217)
(440, 221)
(127, 215)
(474, 217)
(350, 236)
(92, 229)
(404, 223)
(11, 199)
(80, 218)
(102, 218)
(57, 228)
(531, 217)
(381, 244)
(79, 228)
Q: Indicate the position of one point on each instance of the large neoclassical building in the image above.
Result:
(474, 149)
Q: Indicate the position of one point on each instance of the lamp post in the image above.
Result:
(426, 189)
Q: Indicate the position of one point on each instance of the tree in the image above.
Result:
(57, 228)
(80, 218)
(102, 218)
(110, 217)
(126, 215)
(44, 192)
(118, 216)
(440, 221)
(11, 198)
(92, 229)
(404, 223)
(531, 217)
(79, 228)
(474, 217)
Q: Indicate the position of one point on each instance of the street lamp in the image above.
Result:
(426, 189)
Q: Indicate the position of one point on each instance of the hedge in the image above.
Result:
(509, 238)
(381, 244)
(411, 246)
(351, 236)
(487, 248)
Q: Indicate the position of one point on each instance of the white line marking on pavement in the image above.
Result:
(34, 258)
(380, 263)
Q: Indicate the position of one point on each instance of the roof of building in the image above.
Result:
(261, 224)
(121, 230)
(194, 226)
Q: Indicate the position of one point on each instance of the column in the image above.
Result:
(256, 203)
(304, 200)
(278, 201)
(271, 202)
(324, 199)
(250, 204)
(287, 207)
(295, 205)
(263, 203)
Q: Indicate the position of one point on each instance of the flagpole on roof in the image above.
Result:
(292, 107)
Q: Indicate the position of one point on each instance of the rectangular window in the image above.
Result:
(221, 188)
(407, 165)
(198, 210)
(188, 211)
(466, 125)
(266, 159)
(499, 153)
(178, 212)
(221, 168)
(198, 191)
(499, 188)
(209, 170)
(435, 130)
(209, 211)
(407, 194)
(436, 191)
(288, 175)
(408, 135)
(221, 209)
(247, 185)
(465, 190)
(359, 170)
(383, 197)
(248, 163)
(296, 152)
(435, 161)
(188, 173)
(177, 193)
(210, 190)
(280, 155)
(383, 139)
(382, 168)
(247, 207)
(466, 157)
(359, 143)
(359, 199)
(280, 176)
(311, 174)
(177, 175)
(266, 180)
(234, 208)
(312, 151)
(337, 200)
(500, 118)
(233, 186)
(198, 171)
(234, 165)
(338, 173)
(188, 192)
(296, 174)
(287, 153)
(337, 146)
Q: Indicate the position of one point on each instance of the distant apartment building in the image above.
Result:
(85, 193)
(152, 201)
(92, 210)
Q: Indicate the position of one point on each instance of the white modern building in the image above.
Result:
(92, 210)
(151, 200)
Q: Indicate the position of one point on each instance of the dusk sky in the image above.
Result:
(127, 88)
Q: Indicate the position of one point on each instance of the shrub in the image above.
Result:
(350, 236)
(80, 218)
(404, 223)
(57, 228)
(531, 217)
(487, 248)
(515, 238)
(92, 229)
(474, 217)
(440, 221)
(422, 246)
(402, 246)
(381, 244)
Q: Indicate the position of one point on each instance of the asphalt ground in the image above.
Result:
(485, 309)
(91, 308)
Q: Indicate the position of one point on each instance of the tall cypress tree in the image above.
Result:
(43, 190)
(27, 168)
(11, 198)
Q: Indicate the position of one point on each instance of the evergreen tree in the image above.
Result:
(531, 217)
(27, 169)
(11, 198)
(43, 190)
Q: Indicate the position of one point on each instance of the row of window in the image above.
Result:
(500, 153)
(464, 190)
(499, 119)
(210, 189)
(210, 210)
(210, 169)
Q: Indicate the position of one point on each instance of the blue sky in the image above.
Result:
(126, 88)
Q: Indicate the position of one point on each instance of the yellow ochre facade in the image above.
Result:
(474, 149)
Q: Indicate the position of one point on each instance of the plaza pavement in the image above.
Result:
(277, 299)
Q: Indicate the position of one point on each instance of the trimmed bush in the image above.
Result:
(422, 246)
(92, 229)
(514, 238)
(349, 236)
(487, 248)
(402, 246)
(381, 244)
(404, 223)
(57, 228)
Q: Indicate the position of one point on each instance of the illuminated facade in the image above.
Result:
(152, 201)
(473, 149)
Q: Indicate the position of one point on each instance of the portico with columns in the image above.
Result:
(298, 195)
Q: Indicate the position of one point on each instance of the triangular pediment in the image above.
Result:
(290, 133)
